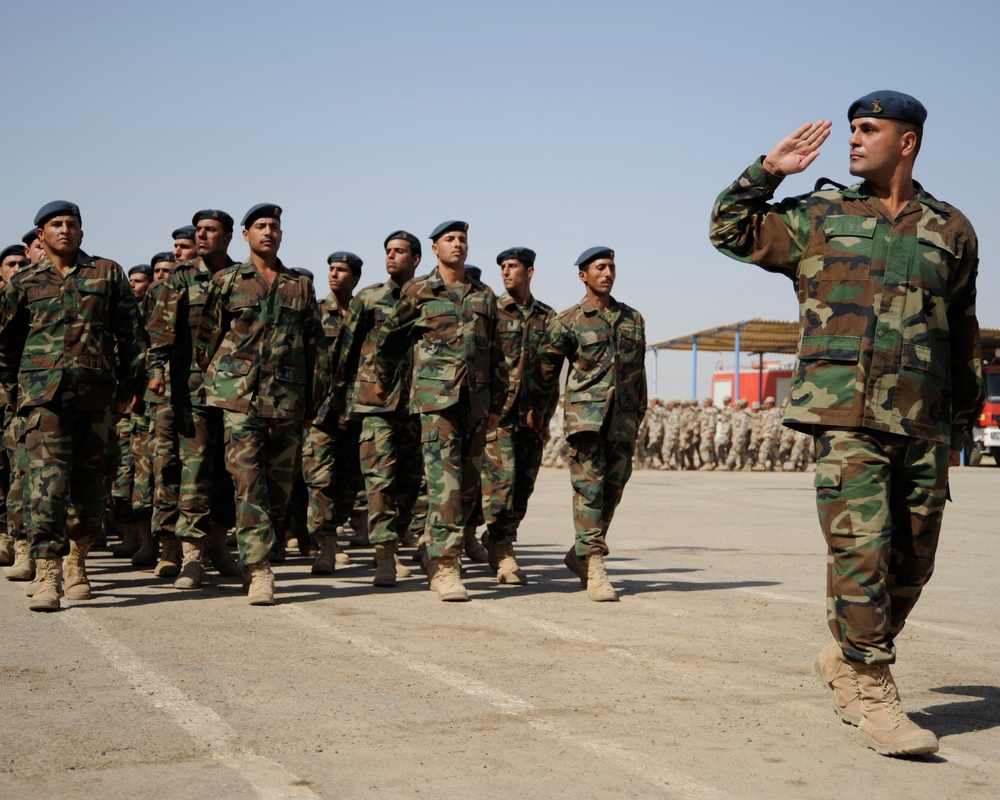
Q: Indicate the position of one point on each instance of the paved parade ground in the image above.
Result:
(698, 684)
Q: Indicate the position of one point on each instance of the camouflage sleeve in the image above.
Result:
(347, 352)
(499, 379)
(130, 339)
(745, 226)
(643, 388)
(213, 327)
(13, 332)
(161, 326)
(559, 344)
(394, 338)
(967, 385)
(317, 360)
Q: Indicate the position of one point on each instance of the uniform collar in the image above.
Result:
(863, 191)
(590, 309)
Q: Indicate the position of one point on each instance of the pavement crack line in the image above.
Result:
(641, 766)
(268, 779)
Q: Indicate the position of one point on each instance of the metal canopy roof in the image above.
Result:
(772, 336)
(755, 335)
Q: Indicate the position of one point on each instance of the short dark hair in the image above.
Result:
(908, 127)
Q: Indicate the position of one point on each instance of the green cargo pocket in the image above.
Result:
(827, 475)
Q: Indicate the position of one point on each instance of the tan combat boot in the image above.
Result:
(884, 727)
(402, 571)
(6, 549)
(325, 563)
(76, 584)
(145, 556)
(577, 565)
(839, 676)
(474, 550)
(599, 588)
(444, 579)
(340, 555)
(49, 589)
(192, 572)
(23, 568)
(385, 564)
(508, 570)
(218, 554)
(261, 591)
(130, 543)
(169, 565)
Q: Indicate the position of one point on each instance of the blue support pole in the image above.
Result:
(736, 374)
(694, 368)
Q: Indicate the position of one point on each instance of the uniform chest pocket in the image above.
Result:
(239, 303)
(593, 348)
(847, 252)
(629, 341)
(291, 307)
(40, 293)
(440, 322)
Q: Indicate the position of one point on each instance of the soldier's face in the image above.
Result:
(877, 147)
(211, 238)
(340, 277)
(452, 248)
(516, 276)
(140, 283)
(264, 236)
(36, 251)
(161, 269)
(62, 235)
(599, 276)
(399, 259)
(10, 265)
(185, 249)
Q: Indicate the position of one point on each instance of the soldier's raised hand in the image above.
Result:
(798, 150)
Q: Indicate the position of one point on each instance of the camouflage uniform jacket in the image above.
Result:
(330, 415)
(262, 348)
(606, 384)
(522, 332)
(354, 362)
(75, 340)
(889, 339)
(177, 304)
(454, 330)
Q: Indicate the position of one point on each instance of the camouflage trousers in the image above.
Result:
(67, 461)
(332, 472)
(511, 461)
(452, 443)
(598, 471)
(706, 450)
(262, 455)
(140, 448)
(121, 491)
(392, 469)
(15, 492)
(166, 469)
(880, 499)
(206, 490)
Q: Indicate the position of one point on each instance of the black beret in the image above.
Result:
(145, 269)
(29, 237)
(448, 227)
(259, 211)
(214, 213)
(406, 237)
(303, 271)
(14, 250)
(343, 256)
(522, 254)
(57, 208)
(161, 257)
(184, 232)
(887, 104)
(593, 254)
(473, 271)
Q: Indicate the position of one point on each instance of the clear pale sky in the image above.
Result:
(551, 125)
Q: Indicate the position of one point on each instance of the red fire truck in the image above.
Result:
(986, 434)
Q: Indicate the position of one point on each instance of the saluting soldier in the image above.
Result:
(604, 342)
(70, 358)
(261, 347)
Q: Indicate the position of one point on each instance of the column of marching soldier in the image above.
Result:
(197, 398)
